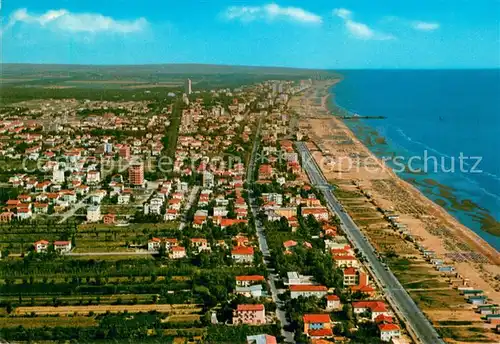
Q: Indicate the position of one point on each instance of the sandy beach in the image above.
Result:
(335, 147)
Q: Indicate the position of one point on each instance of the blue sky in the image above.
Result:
(311, 34)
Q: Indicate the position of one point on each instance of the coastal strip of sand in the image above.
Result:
(334, 147)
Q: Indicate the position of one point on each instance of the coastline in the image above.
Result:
(491, 252)
(435, 228)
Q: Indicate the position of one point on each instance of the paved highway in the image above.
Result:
(396, 294)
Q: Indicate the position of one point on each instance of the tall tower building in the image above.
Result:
(136, 174)
(188, 87)
(124, 152)
(208, 179)
(108, 147)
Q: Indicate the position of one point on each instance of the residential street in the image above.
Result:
(189, 204)
(289, 336)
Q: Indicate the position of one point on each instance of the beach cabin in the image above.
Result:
(478, 300)
(488, 309)
(428, 254)
(436, 261)
(446, 269)
(471, 292)
(493, 318)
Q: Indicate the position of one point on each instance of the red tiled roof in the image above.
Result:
(230, 222)
(388, 327)
(373, 305)
(270, 339)
(319, 210)
(316, 318)
(56, 243)
(302, 287)
(383, 318)
(364, 289)
(258, 307)
(350, 271)
(342, 257)
(250, 278)
(332, 297)
(242, 250)
(324, 332)
(289, 243)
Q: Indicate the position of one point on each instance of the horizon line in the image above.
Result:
(329, 69)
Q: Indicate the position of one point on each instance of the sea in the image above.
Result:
(452, 116)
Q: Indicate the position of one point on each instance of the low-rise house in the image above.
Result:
(246, 281)
(94, 213)
(389, 331)
(40, 208)
(62, 246)
(375, 308)
(177, 252)
(307, 290)
(294, 278)
(317, 325)
(319, 213)
(41, 246)
(224, 223)
(123, 198)
(249, 314)
(242, 254)
(171, 215)
(154, 244)
(200, 244)
(345, 261)
(261, 339)
(109, 219)
(332, 303)
(6, 217)
(24, 213)
(351, 276)
(250, 291)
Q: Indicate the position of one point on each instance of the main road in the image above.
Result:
(397, 296)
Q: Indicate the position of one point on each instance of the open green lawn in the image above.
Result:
(433, 299)
(465, 334)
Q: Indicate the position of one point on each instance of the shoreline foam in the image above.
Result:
(463, 238)
(480, 215)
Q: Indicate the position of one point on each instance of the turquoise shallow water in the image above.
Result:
(435, 114)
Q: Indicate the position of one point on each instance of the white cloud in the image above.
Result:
(271, 12)
(360, 30)
(63, 20)
(342, 13)
(425, 26)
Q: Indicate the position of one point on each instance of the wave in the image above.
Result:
(491, 175)
(408, 138)
(486, 192)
